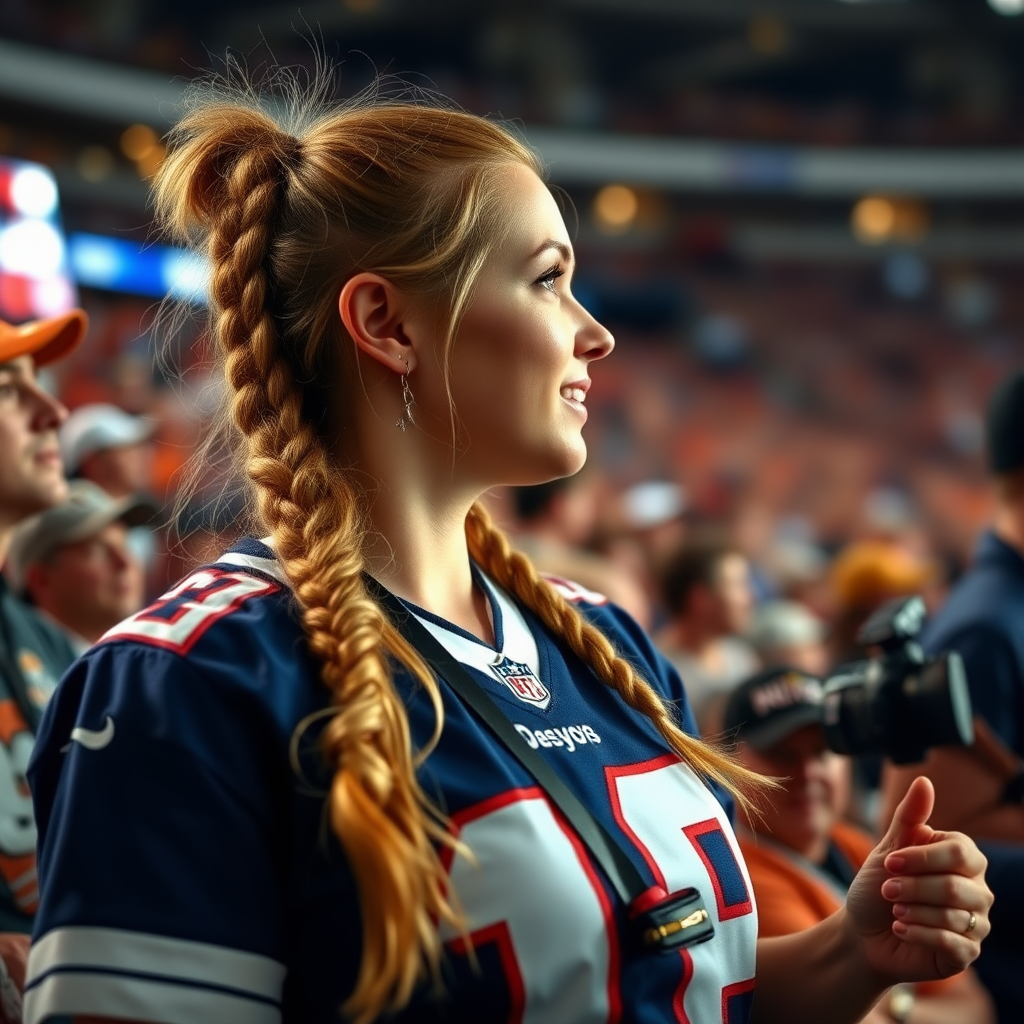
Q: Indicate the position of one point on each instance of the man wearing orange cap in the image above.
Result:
(33, 653)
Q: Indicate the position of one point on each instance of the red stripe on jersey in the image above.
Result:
(499, 935)
(613, 772)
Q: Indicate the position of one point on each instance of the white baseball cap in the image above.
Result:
(93, 428)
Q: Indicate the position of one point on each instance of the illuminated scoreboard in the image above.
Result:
(35, 276)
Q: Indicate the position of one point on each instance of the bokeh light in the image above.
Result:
(31, 248)
(138, 141)
(878, 219)
(615, 208)
(1007, 8)
(873, 219)
(33, 192)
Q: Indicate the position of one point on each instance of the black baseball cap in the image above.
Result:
(1004, 425)
(766, 708)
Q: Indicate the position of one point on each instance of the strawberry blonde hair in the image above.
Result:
(287, 206)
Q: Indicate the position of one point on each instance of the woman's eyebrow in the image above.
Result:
(551, 243)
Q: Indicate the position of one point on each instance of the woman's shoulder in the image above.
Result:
(230, 613)
(226, 641)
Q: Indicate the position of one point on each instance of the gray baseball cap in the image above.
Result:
(86, 510)
(93, 428)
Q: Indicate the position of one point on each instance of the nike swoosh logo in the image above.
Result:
(92, 739)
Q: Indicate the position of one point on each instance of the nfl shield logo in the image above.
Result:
(521, 681)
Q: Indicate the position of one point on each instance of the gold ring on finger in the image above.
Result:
(970, 924)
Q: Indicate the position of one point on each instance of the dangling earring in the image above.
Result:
(407, 400)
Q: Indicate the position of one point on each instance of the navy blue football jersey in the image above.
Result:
(189, 875)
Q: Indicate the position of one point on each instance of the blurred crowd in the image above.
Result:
(751, 504)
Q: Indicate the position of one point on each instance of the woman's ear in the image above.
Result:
(374, 312)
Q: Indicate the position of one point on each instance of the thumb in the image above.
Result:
(907, 827)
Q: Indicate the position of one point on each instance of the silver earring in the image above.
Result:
(407, 399)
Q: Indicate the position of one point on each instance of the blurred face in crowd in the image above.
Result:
(31, 475)
(121, 471)
(814, 795)
(90, 585)
(810, 656)
(733, 594)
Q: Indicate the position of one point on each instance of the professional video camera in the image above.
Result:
(897, 702)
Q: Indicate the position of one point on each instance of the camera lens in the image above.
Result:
(938, 703)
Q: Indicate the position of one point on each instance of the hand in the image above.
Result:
(911, 904)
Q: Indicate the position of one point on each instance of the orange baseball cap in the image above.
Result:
(46, 340)
(870, 572)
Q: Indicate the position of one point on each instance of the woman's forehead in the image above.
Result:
(534, 220)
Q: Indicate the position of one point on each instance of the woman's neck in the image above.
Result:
(418, 550)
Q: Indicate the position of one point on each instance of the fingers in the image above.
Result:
(960, 922)
(948, 852)
(908, 820)
(952, 892)
(953, 952)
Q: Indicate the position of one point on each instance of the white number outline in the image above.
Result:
(500, 933)
(612, 774)
(219, 594)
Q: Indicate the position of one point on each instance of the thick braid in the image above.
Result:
(377, 808)
(491, 549)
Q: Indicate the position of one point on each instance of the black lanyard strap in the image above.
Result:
(617, 867)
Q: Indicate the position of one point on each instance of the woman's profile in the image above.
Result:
(295, 818)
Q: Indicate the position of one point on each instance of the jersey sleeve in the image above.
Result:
(159, 860)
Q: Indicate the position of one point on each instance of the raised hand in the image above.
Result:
(919, 905)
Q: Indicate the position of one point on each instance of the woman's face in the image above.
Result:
(520, 360)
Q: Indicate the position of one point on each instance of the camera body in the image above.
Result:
(897, 702)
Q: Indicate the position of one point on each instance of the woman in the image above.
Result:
(256, 802)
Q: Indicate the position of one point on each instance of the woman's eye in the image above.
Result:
(548, 279)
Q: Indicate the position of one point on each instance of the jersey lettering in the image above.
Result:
(178, 619)
(570, 737)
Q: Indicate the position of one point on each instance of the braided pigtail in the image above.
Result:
(227, 180)
(490, 548)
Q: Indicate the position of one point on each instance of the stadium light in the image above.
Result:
(1007, 8)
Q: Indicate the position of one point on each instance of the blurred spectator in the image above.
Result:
(554, 521)
(789, 633)
(33, 653)
(110, 447)
(114, 449)
(706, 589)
(864, 576)
(74, 563)
(640, 528)
(980, 790)
(801, 855)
